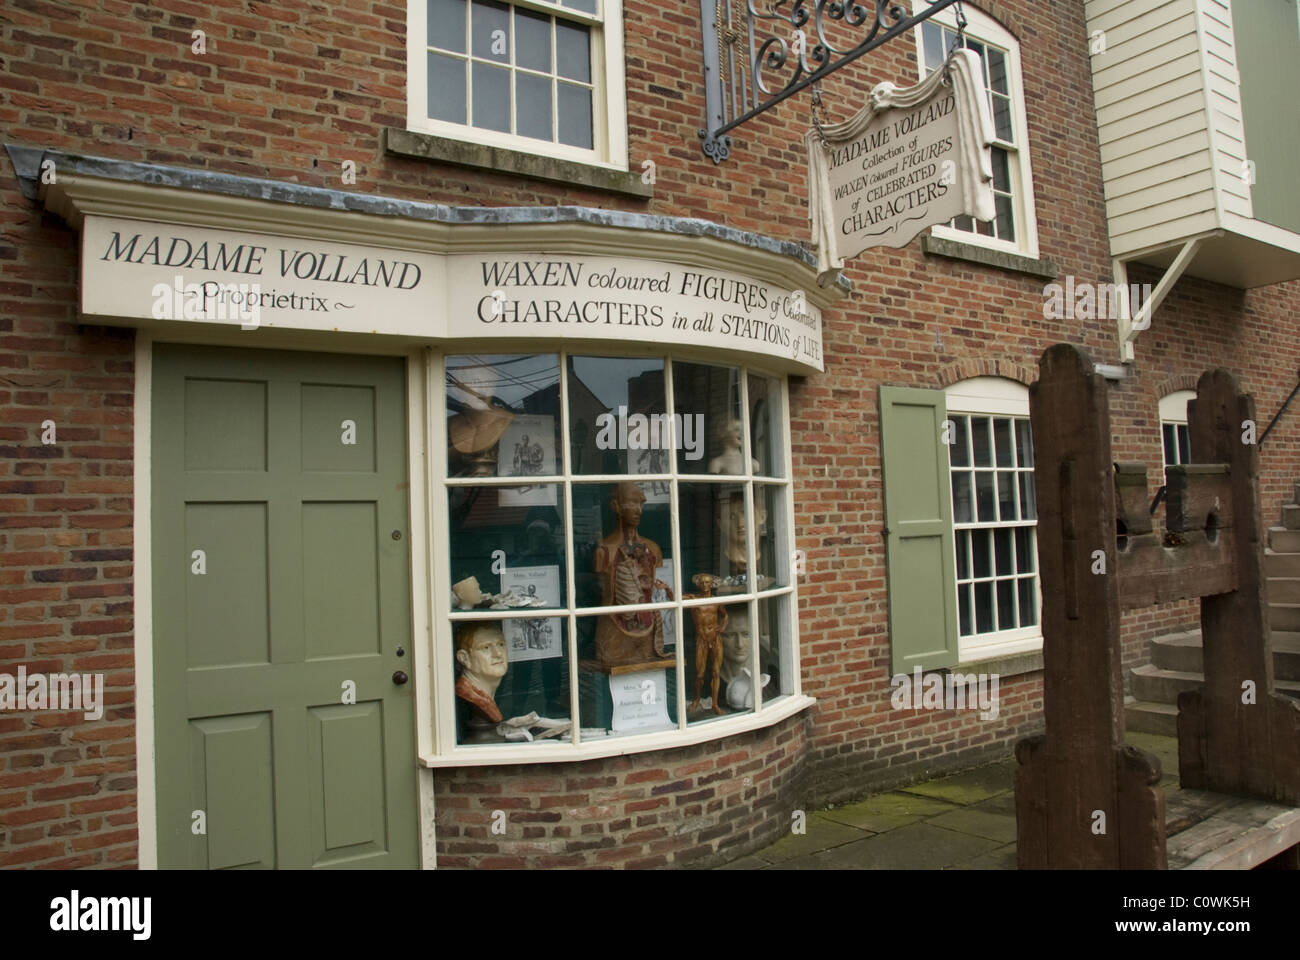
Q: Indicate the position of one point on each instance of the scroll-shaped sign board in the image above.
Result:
(911, 158)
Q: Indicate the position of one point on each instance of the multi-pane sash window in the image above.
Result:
(1174, 435)
(994, 516)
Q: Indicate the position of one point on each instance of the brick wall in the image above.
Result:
(290, 90)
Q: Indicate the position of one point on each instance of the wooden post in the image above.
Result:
(1235, 734)
(1083, 799)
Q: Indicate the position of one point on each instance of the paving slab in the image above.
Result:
(887, 811)
(982, 821)
(822, 834)
(744, 863)
(1003, 858)
(917, 846)
(970, 786)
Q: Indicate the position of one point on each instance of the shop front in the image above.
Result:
(429, 496)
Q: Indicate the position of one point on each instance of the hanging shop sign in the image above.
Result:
(147, 271)
(913, 157)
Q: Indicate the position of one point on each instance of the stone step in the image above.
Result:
(1283, 589)
(1146, 717)
(1281, 564)
(1154, 685)
(1291, 516)
(1178, 651)
(1286, 655)
(1284, 617)
(1283, 540)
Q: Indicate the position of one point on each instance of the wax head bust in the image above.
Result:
(468, 593)
(628, 502)
(481, 653)
(735, 641)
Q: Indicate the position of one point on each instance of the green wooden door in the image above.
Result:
(281, 599)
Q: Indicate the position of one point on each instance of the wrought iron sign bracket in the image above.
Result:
(742, 43)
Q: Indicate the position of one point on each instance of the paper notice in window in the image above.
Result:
(538, 639)
(640, 701)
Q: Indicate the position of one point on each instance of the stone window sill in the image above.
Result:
(956, 250)
(1007, 665)
(425, 146)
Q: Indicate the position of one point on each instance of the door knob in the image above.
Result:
(399, 677)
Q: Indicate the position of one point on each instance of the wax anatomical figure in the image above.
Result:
(626, 563)
(710, 622)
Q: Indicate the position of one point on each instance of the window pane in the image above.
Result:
(932, 41)
(767, 439)
(1006, 219)
(503, 416)
(984, 228)
(1028, 602)
(1002, 119)
(616, 418)
(573, 51)
(961, 540)
(526, 524)
(490, 31)
(1024, 444)
(964, 223)
(533, 100)
(1007, 496)
(976, 47)
(959, 449)
(775, 656)
(1184, 444)
(773, 548)
(622, 543)
(719, 657)
(984, 607)
(1001, 171)
(1028, 497)
(1006, 604)
(997, 71)
(711, 429)
(1024, 549)
(1002, 552)
(446, 88)
(575, 116)
(630, 701)
(984, 498)
(586, 6)
(1002, 441)
(1170, 444)
(980, 440)
(980, 543)
(532, 40)
(447, 24)
(963, 608)
(715, 537)
(491, 97)
(506, 669)
(961, 497)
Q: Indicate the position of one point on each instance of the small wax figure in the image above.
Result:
(710, 621)
(731, 460)
(481, 654)
(474, 433)
(626, 563)
(737, 674)
(467, 593)
(737, 536)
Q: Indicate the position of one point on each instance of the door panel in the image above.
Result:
(274, 650)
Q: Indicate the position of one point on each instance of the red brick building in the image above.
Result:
(259, 528)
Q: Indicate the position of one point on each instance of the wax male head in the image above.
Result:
(628, 502)
(481, 653)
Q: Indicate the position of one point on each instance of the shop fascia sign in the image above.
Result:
(165, 273)
(912, 157)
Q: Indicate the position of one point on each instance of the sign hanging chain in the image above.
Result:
(957, 44)
(819, 117)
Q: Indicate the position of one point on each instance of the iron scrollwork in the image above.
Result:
(748, 52)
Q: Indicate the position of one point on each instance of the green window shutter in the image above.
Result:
(918, 525)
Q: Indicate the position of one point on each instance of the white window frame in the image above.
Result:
(443, 749)
(1173, 412)
(980, 26)
(609, 88)
(994, 397)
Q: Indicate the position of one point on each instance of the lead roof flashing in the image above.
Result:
(28, 162)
